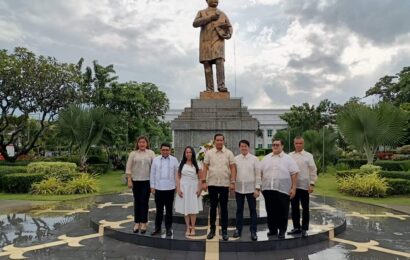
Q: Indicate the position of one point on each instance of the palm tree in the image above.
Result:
(322, 145)
(84, 127)
(367, 127)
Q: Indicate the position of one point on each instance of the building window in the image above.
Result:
(270, 131)
(270, 146)
(260, 146)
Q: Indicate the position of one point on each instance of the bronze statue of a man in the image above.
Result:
(215, 28)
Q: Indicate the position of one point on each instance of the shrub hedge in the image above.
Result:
(395, 175)
(55, 168)
(393, 165)
(12, 169)
(398, 186)
(16, 163)
(20, 182)
(353, 163)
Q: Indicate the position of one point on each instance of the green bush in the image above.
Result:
(50, 186)
(348, 173)
(259, 152)
(83, 184)
(80, 183)
(72, 159)
(394, 165)
(100, 168)
(353, 163)
(395, 175)
(16, 163)
(369, 169)
(369, 185)
(12, 169)
(20, 182)
(341, 166)
(53, 169)
(398, 186)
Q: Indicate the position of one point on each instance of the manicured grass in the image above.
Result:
(108, 183)
(326, 186)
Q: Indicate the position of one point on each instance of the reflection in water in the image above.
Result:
(21, 228)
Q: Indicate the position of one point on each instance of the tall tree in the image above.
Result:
(394, 89)
(139, 108)
(308, 117)
(367, 128)
(31, 85)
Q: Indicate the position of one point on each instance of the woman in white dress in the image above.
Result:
(189, 200)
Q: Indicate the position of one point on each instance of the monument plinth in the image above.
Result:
(205, 117)
(214, 95)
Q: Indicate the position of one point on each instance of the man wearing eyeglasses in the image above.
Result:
(279, 176)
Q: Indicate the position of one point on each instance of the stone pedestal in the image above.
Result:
(213, 113)
(214, 95)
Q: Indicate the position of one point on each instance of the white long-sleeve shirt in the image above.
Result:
(248, 173)
(308, 171)
(164, 172)
(277, 171)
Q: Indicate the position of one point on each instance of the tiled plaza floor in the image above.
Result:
(63, 231)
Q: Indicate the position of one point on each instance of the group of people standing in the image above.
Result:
(283, 179)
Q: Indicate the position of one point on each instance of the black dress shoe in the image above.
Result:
(254, 237)
(304, 233)
(225, 236)
(295, 231)
(136, 230)
(143, 231)
(281, 235)
(169, 232)
(237, 234)
(211, 234)
(272, 233)
(156, 232)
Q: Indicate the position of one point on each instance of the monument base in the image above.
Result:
(214, 95)
(213, 113)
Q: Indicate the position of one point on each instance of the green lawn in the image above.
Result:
(326, 186)
(109, 183)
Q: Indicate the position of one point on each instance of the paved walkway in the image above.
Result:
(56, 232)
(402, 208)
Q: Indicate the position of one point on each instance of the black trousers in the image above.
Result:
(218, 194)
(141, 191)
(240, 201)
(164, 198)
(277, 209)
(302, 197)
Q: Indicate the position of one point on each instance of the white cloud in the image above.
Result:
(286, 52)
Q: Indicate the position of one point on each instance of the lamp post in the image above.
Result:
(323, 150)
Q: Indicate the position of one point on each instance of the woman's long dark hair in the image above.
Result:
(184, 159)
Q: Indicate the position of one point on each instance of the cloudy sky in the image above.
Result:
(282, 52)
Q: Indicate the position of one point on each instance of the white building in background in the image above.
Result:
(269, 123)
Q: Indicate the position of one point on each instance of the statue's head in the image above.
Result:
(212, 3)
